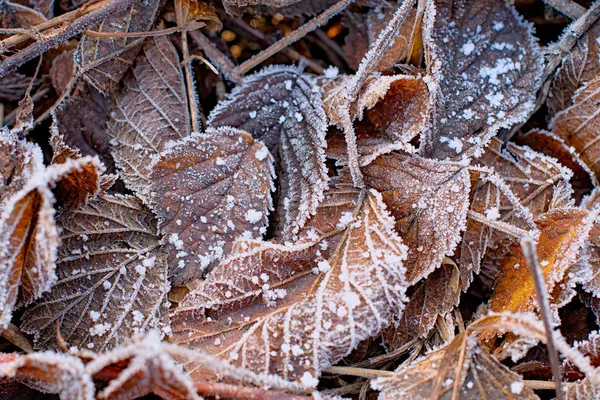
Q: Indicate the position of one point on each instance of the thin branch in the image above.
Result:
(360, 372)
(567, 7)
(499, 225)
(218, 390)
(291, 38)
(223, 63)
(543, 385)
(189, 81)
(13, 62)
(530, 253)
(13, 334)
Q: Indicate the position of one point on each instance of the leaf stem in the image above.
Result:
(360, 372)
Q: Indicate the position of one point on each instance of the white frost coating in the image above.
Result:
(253, 216)
(467, 48)
(262, 153)
(516, 387)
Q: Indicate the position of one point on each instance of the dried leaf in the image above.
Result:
(149, 369)
(112, 277)
(488, 68)
(49, 373)
(287, 310)
(208, 190)
(579, 66)
(396, 109)
(62, 71)
(465, 371)
(105, 60)
(435, 296)
(562, 234)
(283, 108)
(14, 15)
(44, 7)
(429, 201)
(288, 8)
(149, 112)
(82, 121)
(192, 14)
(578, 124)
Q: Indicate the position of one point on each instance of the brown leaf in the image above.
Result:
(49, 373)
(82, 121)
(562, 234)
(435, 296)
(536, 181)
(396, 109)
(288, 8)
(429, 201)
(149, 112)
(487, 67)
(462, 370)
(112, 277)
(149, 369)
(295, 310)
(192, 14)
(105, 60)
(62, 71)
(14, 15)
(579, 66)
(208, 190)
(44, 7)
(578, 124)
(283, 108)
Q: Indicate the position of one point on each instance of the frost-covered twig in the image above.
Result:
(530, 253)
(567, 7)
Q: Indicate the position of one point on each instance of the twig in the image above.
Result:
(360, 372)
(219, 390)
(498, 225)
(379, 360)
(543, 385)
(291, 38)
(189, 81)
(530, 253)
(223, 63)
(13, 334)
(13, 62)
(567, 7)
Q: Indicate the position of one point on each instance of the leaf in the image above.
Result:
(579, 66)
(192, 14)
(105, 60)
(429, 201)
(149, 369)
(435, 296)
(288, 8)
(82, 121)
(149, 112)
(49, 373)
(532, 179)
(289, 312)
(463, 369)
(14, 15)
(62, 71)
(562, 234)
(488, 68)
(396, 109)
(208, 190)
(283, 108)
(577, 125)
(112, 277)
(44, 7)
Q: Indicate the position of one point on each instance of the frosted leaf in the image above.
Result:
(579, 66)
(395, 108)
(429, 201)
(82, 121)
(191, 15)
(288, 8)
(149, 369)
(578, 124)
(49, 373)
(583, 389)
(112, 277)
(435, 296)
(563, 232)
(105, 60)
(28, 235)
(587, 272)
(207, 190)
(531, 179)
(149, 112)
(487, 78)
(283, 108)
(460, 369)
(551, 145)
(589, 348)
(14, 15)
(295, 320)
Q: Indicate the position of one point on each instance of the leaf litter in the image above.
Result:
(293, 199)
